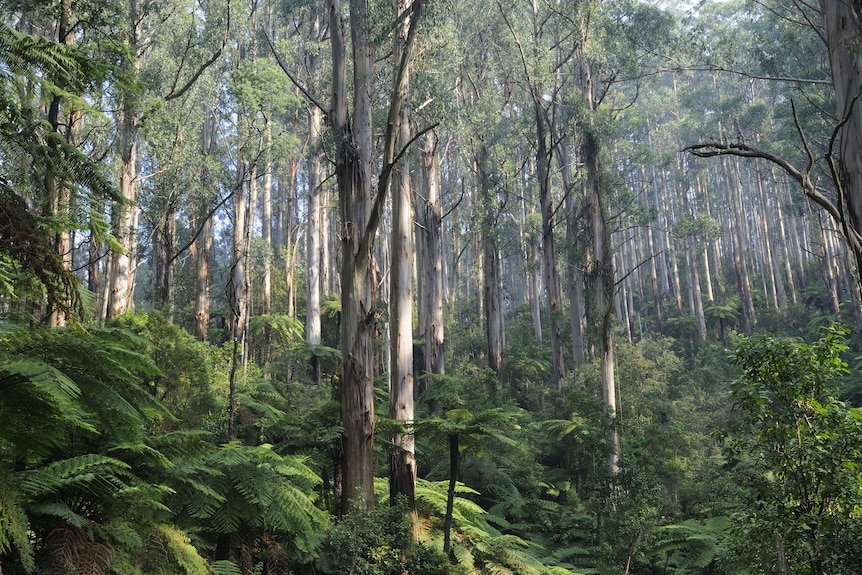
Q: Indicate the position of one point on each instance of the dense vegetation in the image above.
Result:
(226, 274)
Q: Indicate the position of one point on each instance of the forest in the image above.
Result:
(426, 287)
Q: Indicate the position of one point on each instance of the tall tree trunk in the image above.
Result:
(59, 194)
(433, 260)
(402, 461)
(785, 248)
(492, 299)
(266, 226)
(359, 318)
(602, 280)
(125, 220)
(203, 251)
(549, 250)
(693, 276)
(740, 246)
(202, 247)
(238, 288)
(163, 250)
(601, 272)
(842, 20)
(121, 278)
(290, 245)
(360, 220)
(313, 239)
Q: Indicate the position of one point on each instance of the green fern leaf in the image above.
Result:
(183, 552)
(226, 568)
(14, 525)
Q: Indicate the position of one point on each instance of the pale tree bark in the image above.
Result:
(121, 279)
(600, 272)
(740, 246)
(696, 298)
(654, 277)
(433, 260)
(549, 250)
(670, 249)
(238, 286)
(842, 20)
(360, 218)
(492, 298)
(314, 229)
(313, 238)
(601, 276)
(289, 245)
(202, 246)
(402, 460)
(125, 219)
(202, 255)
(710, 295)
(266, 226)
(828, 266)
(786, 248)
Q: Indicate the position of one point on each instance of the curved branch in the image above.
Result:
(179, 93)
(816, 194)
(390, 158)
(291, 77)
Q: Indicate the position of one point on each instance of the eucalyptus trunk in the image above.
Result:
(125, 220)
(492, 298)
(842, 21)
(313, 238)
(402, 461)
(266, 226)
(433, 260)
(202, 254)
(549, 249)
(353, 138)
(121, 277)
(602, 284)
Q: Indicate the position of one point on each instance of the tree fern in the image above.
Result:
(26, 139)
(263, 492)
(690, 546)
(14, 524)
(226, 568)
(183, 553)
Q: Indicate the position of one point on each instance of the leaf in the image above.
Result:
(182, 551)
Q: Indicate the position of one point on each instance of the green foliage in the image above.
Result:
(798, 449)
(35, 158)
(55, 380)
(257, 491)
(377, 543)
(690, 546)
(191, 375)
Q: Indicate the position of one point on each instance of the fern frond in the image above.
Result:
(14, 525)
(182, 551)
(464, 558)
(37, 406)
(226, 568)
(59, 510)
(71, 550)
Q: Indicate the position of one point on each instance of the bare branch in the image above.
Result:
(179, 93)
(291, 77)
(390, 158)
(816, 194)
